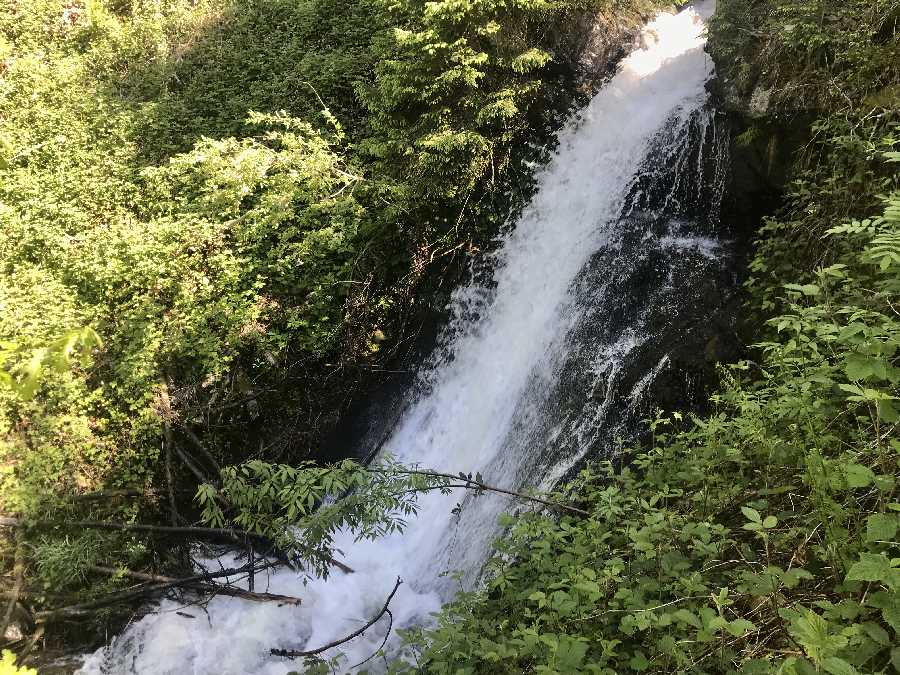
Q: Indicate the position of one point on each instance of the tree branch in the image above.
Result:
(216, 589)
(472, 484)
(202, 448)
(235, 536)
(289, 653)
(105, 494)
(19, 571)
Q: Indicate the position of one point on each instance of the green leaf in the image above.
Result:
(857, 475)
(874, 567)
(756, 667)
(570, 654)
(888, 411)
(792, 577)
(805, 289)
(740, 627)
(687, 616)
(881, 527)
(885, 482)
(858, 366)
(814, 634)
(877, 633)
(639, 662)
(837, 666)
(889, 604)
(751, 514)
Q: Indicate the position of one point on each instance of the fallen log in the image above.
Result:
(141, 591)
(217, 589)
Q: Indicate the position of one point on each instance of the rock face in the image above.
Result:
(763, 145)
(596, 43)
(666, 309)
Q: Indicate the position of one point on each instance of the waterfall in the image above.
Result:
(546, 364)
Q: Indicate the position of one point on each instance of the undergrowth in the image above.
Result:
(763, 536)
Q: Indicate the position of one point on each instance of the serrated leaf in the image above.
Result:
(881, 527)
(885, 482)
(639, 662)
(687, 616)
(740, 627)
(888, 411)
(874, 567)
(814, 634)
(751, 514)
(877, 633)
(858, 366)
(837, 666)
(857, 475)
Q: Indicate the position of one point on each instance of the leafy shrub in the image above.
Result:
(761, 538)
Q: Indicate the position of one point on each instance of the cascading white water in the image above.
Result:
(482, 400)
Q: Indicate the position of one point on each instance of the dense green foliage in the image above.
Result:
(298, 509)
(246, 201)
(244, 205)
(762, 537)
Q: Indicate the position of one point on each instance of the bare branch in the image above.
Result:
(290, 653)
(105, 494)
(472, 484)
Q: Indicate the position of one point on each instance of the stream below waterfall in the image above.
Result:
(617, 258)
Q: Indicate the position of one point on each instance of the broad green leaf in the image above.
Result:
(874, 567)
(837, 666)
(687, 616)
(888, 411)
(877, 633)
(857, 475)
(815, 635)
(858, 366)
(639, 662)
(740, 627)
(751, 514)
(881, 527)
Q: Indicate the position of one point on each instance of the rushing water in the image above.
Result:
(530, 375)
